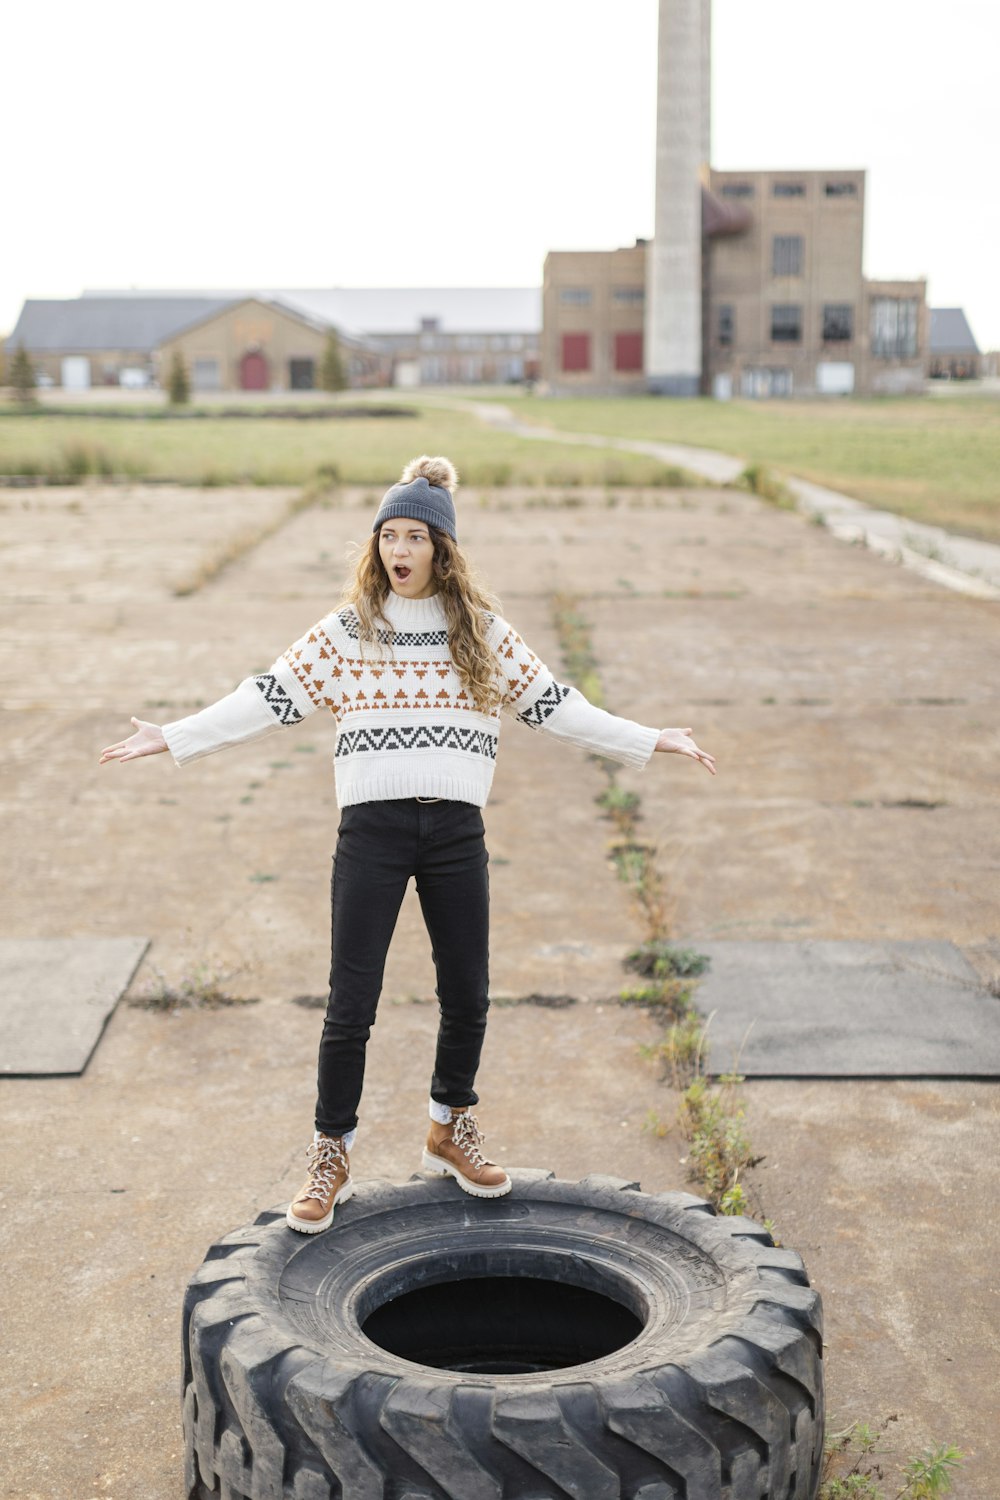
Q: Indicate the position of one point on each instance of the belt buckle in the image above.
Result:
(428, 799)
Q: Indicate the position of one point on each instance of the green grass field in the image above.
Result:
(932, 459)
(268, 450)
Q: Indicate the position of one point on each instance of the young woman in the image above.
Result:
(415, 667)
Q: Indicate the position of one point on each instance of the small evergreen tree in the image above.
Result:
(178, 385)
(22, 375)
(331, 370)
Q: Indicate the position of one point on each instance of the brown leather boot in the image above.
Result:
(455, 1150)
(329, 1183)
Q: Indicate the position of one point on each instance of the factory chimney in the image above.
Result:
(673, 355)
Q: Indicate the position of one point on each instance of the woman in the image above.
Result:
(415, 667)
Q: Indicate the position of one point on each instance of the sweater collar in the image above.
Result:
(414, 614)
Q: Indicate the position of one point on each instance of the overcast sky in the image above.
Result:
(452, 143)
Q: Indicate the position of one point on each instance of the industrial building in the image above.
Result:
(752, 284)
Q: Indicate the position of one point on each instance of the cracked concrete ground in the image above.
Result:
(853, 710)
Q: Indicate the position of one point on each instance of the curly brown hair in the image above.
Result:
(466, 606)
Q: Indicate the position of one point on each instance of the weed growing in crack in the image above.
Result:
(660, 959)
(710, 1116)
(712, 1119)
(317, 491)
(202, 989)
(851, 1470)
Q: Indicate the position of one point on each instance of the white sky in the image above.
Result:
(452, 143)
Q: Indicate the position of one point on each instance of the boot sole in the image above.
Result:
(316, 1226)
(445, 1169)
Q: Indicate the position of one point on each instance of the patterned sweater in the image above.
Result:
(406, 727)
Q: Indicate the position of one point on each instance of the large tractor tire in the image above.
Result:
(573, 1339)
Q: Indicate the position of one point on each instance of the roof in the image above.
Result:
(950, 332)
(364, 310)
(401, 309)
(87, 323)
(237, 301)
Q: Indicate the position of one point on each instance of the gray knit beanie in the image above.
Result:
(423, 493)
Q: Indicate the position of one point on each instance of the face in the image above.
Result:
(407, 553)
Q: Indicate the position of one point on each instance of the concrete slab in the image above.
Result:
(826, 1009)
(56, 995)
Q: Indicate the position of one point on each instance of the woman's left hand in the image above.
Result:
(679, 742)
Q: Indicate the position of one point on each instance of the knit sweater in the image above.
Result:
(406, 726)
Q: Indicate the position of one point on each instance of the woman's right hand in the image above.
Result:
(147, 740)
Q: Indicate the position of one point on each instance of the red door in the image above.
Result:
(253, 372)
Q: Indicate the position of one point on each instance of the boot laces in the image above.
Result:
(469, 1138)
(325, 1157)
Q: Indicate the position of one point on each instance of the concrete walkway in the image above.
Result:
(957, 562)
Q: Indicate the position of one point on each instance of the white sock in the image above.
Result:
(441, 1113)
(348, 1138)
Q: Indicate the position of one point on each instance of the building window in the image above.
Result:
(840, 189)
(786, 255)
(205, 375)
(759, 383)
(574, 296)
(628, 296)
(786, 323)
(838, 322)
(894, 327)
(789, 189)
(576, 351)
(725, 327)
(736, 190)
(301, 374)
(628, 351)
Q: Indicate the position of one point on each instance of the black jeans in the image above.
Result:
(379, 846)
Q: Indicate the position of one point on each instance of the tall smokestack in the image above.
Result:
(673, 268)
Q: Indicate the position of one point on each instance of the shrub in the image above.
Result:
(332, 376)
(22, 375)
(178, 384)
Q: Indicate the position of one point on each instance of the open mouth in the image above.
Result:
(401, 573)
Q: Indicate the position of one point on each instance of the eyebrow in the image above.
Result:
(413, 530)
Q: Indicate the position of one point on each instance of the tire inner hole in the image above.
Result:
(501, 1325)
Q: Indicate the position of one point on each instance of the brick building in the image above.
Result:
(785, 307)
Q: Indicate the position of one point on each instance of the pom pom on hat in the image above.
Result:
(424, 494)
(439, 471)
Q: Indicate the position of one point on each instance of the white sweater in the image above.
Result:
(406, 727)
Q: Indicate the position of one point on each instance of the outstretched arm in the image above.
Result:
(539, 701)
(291, 690)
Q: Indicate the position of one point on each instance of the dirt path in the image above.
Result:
(854, 712)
